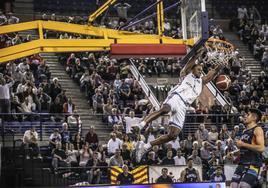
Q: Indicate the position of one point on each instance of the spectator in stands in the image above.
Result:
(55, 88)
(98, 101)
(66, 136)
(56, 109)
(188, 144)
(230, 146)
(122, 9)
(30, 143)
(114, 118)
(236, 134)
(126, 154)
(129, 142)
(196, 159)
(175, 144)
(125, 92)
(54, 138)
(5, 94)
(213, 134)
(179, 158)
(190, 174)
(164, 178)
(224, 133)
(94, 173)
(201, 134)
(125, 178)
(92, 138)
(151, 159)
(85, 154)
(113, 144)
(78, 142)
(11, 19)
(44, 101)
(168, 160)
(116, 159)
(69, 106)
(3, 18)
(59, 157)
(72, 155)
(74, 121)
(205, 152)
(130, 120)
(218, 175)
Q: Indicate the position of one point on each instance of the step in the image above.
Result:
(23, 5)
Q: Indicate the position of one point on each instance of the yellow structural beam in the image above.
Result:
(160, 18)
(105, 36)
(100, 10)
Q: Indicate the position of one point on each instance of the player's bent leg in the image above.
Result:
(173, 133)
(244, 185)
(154, 115)
(234, 185)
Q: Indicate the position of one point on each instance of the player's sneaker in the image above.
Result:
(138, 126)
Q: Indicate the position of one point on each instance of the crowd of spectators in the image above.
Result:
(253, 31)
(112, 91)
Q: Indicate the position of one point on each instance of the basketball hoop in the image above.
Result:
(219, 51)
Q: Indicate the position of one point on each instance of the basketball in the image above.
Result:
(223, 82)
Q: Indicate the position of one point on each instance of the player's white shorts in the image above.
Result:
(178, 110)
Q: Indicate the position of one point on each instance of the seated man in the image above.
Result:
(59, 157)
(164, 178)
(30, 139)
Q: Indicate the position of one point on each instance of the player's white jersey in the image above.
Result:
(189, 88)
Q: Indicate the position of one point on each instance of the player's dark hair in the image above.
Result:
(195, 65)
(256, 112)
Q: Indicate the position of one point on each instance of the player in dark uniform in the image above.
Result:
(190, 174)
(251, 146)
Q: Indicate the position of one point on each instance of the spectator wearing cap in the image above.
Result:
(113, 144)
(92, 138)
(55, 88)
(54, 138)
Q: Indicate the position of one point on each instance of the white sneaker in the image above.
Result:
(139, 126)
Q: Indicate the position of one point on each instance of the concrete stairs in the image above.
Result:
(79, 99)
(251, 63)
(24, 9)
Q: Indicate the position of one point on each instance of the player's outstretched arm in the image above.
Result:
(212, 73)
(258, 146)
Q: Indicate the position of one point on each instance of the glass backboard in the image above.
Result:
(192, 13)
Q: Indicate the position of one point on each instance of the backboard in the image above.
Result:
(192, 25)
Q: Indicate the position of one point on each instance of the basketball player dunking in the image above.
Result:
(177, 102)
(251, 147)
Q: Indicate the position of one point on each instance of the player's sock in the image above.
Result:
(142, 124)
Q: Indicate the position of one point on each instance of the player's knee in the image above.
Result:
(244, 185)
(172, 135)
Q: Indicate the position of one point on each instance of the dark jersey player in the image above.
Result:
(190, 174)
(251, 145)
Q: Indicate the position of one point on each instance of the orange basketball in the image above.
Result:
(223, 82)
